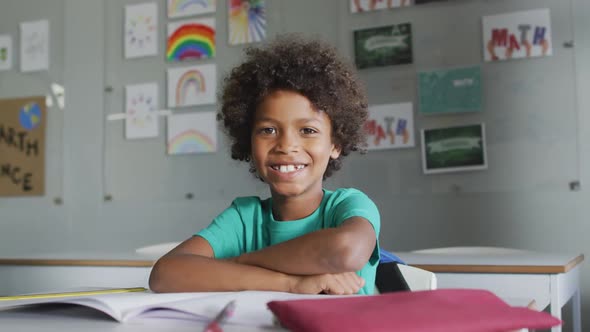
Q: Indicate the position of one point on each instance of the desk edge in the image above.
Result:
(75, 262)
(529, 269)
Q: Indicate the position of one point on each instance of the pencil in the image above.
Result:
(71, 294)
(222, 316)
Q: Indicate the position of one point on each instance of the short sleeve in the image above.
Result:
(225, 233)
(357, 204)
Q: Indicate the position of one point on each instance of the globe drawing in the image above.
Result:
(30, 116)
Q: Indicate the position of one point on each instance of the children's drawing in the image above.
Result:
(5, 52)
(455, 90)
(452, 149)
(358, 6)
(247, 21)
(141, 30)
(193, 39)
(192, 133)
(141, 110)
(34, 45)
(383, 46)
(195, 85)
(30, 116)
(182, 8)
(390, 126)
(522, 34)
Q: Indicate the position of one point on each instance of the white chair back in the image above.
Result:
(418, 279)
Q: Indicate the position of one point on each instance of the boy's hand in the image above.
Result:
(346, 283)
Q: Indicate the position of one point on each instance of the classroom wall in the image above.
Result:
(535, 113)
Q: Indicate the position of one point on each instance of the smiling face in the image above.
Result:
(291, 145)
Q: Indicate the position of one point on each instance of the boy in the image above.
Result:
(292, 110)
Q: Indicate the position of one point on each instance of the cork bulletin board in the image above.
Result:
(22, 146)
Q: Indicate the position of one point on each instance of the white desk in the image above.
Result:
(548, 279)
(75, 319)
(60, 271)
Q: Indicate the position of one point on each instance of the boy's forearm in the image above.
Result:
(193, 273)
(319, 252)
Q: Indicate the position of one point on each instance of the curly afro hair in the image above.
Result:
(311, 68)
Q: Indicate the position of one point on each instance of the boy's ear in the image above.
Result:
(336, 149)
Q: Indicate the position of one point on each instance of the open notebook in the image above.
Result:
(250, 310)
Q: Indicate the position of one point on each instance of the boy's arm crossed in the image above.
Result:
(345, 248)
(190, 267)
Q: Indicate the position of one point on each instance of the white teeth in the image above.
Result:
(288, 168)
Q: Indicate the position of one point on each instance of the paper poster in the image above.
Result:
(192, 133)
(390, 126)
(195, 85)
(182, 8)
(453, 149)
(247, 21)
(141, 30)
(34, 46)
(383, 46)
(359, 6)
(455, 90)
(192, 39)
(517, 35)
(141, 110)
(22, 146)
(5, 52)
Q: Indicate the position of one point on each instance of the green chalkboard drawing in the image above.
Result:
(383, 46)
(450, 91)
(453, 149)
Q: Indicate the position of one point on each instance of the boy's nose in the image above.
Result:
(287, 142)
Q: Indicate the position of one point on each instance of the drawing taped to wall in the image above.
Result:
(453, 149)
(141, 30)
(195, 85)
(390, 126)
(247, 21)
(359, 6)
(34, 46)
(456, 90)
(192, 133)
(5, 52)
(182, 8)
(141, 110)
(516, 35)
(383, 46)
(191, 39)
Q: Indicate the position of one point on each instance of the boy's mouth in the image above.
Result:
(288, 168)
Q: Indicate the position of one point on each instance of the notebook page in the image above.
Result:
(129, 305)
(250, 310)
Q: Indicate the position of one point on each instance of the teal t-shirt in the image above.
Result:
(248, 225)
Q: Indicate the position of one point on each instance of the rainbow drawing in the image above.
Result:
(192, 85)
(247, 21)
(180, 8)
(190, 141)
(191, 80)
(191, 40)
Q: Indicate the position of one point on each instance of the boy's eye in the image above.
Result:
(267, 131)
(308, 131)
